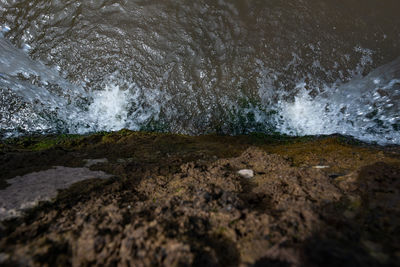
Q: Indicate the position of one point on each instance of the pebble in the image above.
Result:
(320, 167)
(246, 173)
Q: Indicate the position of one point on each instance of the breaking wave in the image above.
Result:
(195, 68)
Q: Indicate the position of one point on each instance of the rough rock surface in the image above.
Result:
(197, 210)
(26, 191)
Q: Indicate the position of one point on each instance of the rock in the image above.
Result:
(28, 190)
(349, 214)
(125, 160)
(246, 173)
(190, 209)
(91, 162)
(335, 175)
(4, 257)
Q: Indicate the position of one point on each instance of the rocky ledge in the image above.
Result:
(251, 200)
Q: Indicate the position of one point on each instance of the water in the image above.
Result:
(295, 67)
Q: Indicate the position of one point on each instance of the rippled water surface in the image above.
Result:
(295, 66)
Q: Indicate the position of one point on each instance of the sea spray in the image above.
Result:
(199, 67)
(35, 99)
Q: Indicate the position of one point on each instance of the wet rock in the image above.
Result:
(91, 162)
(28, 190)
(126, 160)
(193, 209)
(4, 257)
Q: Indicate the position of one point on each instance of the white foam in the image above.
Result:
(365, 108)
(71, 109)
(304, 116)
(109, 108)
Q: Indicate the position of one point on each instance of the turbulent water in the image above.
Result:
(291, 66)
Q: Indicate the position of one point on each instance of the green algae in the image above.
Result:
(37, 143)
(168, 151)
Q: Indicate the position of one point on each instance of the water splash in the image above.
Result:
(366, 107)
(36, 99)
(297, 67)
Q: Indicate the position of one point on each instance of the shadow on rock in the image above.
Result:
(363, 228)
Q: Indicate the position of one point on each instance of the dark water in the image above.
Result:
(296, 67)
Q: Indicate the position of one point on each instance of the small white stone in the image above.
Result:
(320, 167)
(246, 173)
